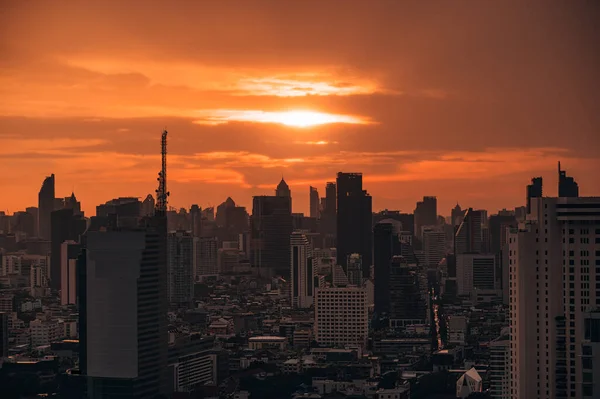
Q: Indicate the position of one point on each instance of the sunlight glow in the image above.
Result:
(288, 118)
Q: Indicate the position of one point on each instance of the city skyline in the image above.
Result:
(414, 118)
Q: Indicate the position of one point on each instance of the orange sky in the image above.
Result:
(462, 102)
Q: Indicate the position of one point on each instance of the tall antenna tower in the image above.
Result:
(161, 192)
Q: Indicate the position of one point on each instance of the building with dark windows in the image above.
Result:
(123, 310)
(567, 186)
(468, 237)
(386, 244)
(65, 226)
(314, 202)
(271, 227)
(45, 207)
(534, 190)
(180, 263)
(327, 222)
(425, 214)
(407, 304)
(354, 219)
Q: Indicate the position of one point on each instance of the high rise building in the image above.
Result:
(206, 257)
(46, 198)
(283, 190)
(469, 237)
(354, 220)
(69, 252)
(554, 260)
(148, 206)
(196, 220)
(567, 186)
(181, 265)
(271, 227)
(341, 307)
(314, 202)
(425, 214)
(65, 226)
(221, 217)
(456, 215)
(499, 370)
(434, 246)
(3, 335)
(123, 311)
(384, 248)
(354, 270)
(407, 220)
(475, 272)
(302, 271)
(534, 190)
(407, 303)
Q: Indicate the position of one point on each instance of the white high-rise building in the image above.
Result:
(499, 370)
(302, 271)
(554, 280)
(180, 262)
(341, 316)
(475, 272)
(434, 245)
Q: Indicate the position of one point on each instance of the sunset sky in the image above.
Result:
(465, 100)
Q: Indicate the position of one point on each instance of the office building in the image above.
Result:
(45, 207)
(354, 220)
(181, 264)
(314, 202)
(123, 310)
(206, 257)
(302, 271)
(499, 371)
(328, 215)
(434, 246)
(65, 226)
(590, 355)
(553, 271)
(475, 272)
(341, 316)
(425, 214)
(567, 186)
(191, 362)
(469, 237)
(69, 252)
(408, 305)
(534, 190)
(354, 270)
(385, 243)
(271, 227)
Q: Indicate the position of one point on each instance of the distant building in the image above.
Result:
(475, 272)
(354, 220)
(499, 371)
(70, 251)
(3, 335)
(46, 198)
(567, 186)
(302, 271)
(469, 237)
(425, 214)
(434, 246)
(314, 202)
(206, 257)
(385, 246)
(337, 307)
(65, 226)
(534, 190)
(469, 383)
(354, 270)
(407, 303)
(181, 265)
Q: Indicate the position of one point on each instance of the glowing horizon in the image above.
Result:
(300, 118)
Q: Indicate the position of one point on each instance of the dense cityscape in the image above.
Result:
(145, 301)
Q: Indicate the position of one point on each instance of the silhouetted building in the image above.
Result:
(69, 252)
(271, 227)
(354, 220)
(24, 222)
(206, 257)
(65, 226)
(456, 216)
(3, 334)
(45, 206)
(283, 190)
(314, 202)
(385, 243)
(221, 217)
(328, 219)
(354, 271)
(148, 206)
(196, 220)
(302, 271)
(425, 214)
(123, 311)
(567, 186)
(407, 305)
(407, 220)
(534, 190)
(180, 263)
(468, 237)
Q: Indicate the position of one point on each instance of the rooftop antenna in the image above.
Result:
(161, 192)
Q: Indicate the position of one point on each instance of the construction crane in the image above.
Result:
(161, 192)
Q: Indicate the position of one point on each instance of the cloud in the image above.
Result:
(287, 118)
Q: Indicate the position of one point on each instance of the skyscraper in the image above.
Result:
(283, 190)
(425, 214)
(354, 218)
(180, 263)
(46, 198)
(384, 249)
(65, 226)
(206, 257)
(468, 237)
(434, 245)
(534, 190)
(354, 271)
(407, 304)
(271, 227)
(302, 271)
(314, 202)
(123, 310)
(554, 269)
(69, 252)
(475, 272)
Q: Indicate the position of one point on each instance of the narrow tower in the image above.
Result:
(161, 192)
